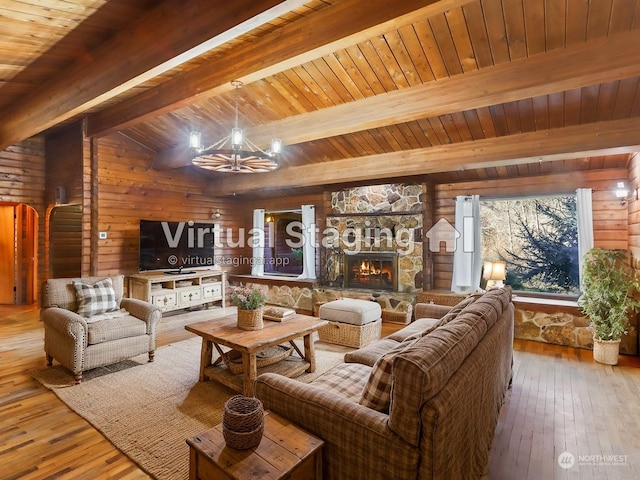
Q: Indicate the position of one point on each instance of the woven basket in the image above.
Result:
(264, 358)
(606, 351)
(243, 422)
(350, 335)
(403, 318)
(250, 319)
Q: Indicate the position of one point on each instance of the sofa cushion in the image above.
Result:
(369, 355)
(421, 325)
(115, 329)
(346, 380)
(377, 392)
(453, 313)
(351, 311)
(95, 299)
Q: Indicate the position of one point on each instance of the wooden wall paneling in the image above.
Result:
(130, 190)
(90, 192)
(610, 218)
(634, 209)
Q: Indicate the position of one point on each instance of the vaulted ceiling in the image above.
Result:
(356, 89)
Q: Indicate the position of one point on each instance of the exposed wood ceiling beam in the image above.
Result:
(598, 61)
(339, 26)
(556, 71)
(603, 138)
(179, 31)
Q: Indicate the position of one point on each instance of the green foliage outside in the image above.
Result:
(538, 239)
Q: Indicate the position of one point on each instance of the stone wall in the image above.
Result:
(381, 218)
(291, 294)
(564, 326)
(559, 328)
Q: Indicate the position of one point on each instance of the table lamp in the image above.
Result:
(494, 273)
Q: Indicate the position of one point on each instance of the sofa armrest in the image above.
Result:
(145, 311)
(64, 322)
(350, 430)
(431, 310)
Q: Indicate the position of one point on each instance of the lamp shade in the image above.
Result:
(498, 271)
(494, 273)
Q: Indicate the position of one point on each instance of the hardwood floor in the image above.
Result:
(561, 401)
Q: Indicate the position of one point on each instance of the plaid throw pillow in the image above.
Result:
(95, 299)
(377, 392)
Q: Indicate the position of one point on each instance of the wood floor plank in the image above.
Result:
(561, 401)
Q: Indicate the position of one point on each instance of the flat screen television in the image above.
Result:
(180, 246)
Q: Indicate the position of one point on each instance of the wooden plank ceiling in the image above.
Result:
(358, 90)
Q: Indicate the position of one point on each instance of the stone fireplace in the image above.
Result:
(378, 239)
(374, 270)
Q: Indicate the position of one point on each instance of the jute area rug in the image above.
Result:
(148, 410)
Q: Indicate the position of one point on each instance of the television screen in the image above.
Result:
(176, 245)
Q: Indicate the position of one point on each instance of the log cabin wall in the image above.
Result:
(22, 185)
(128, 189)
(610, 219)
(634, 209)
(64, 193)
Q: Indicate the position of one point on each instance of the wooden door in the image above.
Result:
(7, 254)
(65, 241)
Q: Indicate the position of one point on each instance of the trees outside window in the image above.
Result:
(538, 238)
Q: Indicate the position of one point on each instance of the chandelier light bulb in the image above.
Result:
(195, 140)
(236, 138)
(276, 146)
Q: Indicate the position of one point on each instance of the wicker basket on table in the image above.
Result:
(233, 358)
(243, 422)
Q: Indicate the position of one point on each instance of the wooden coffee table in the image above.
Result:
(223, 332)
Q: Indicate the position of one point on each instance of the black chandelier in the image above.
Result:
(233, 158)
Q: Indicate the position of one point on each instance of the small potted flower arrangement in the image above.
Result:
(250, 302)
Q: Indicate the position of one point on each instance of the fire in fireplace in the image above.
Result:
(375, 270)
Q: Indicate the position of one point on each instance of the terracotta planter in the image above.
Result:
(606, 351)
(250, 319)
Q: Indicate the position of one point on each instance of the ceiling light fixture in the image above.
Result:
(233, 158)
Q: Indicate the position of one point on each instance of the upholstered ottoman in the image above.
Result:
(352, 322)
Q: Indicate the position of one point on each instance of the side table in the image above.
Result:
(286, 451)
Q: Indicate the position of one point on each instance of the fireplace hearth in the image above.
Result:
(373, 270)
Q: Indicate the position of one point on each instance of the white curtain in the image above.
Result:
(309, 239)
(467, 258)
(585, 224)
(257, 237)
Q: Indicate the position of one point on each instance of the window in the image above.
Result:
(283, 229)
(538, 238)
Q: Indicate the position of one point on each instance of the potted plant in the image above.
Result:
(250, 302)
(610, 290)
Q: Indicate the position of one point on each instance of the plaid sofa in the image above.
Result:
(447, 388)
(80, 341)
